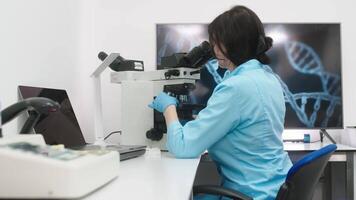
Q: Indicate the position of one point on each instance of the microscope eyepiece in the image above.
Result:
(198, 56)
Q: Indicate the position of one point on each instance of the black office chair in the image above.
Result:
(300, 183)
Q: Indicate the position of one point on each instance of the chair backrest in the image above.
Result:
(304, 175)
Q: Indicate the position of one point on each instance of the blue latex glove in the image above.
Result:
(162, 101)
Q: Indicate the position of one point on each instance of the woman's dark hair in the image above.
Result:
(241, 32)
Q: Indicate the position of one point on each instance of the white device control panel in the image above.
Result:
(40, 171)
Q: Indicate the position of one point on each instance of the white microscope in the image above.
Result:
(144, 126)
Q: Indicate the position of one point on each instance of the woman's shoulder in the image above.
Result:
(239, 85)
(237, 81)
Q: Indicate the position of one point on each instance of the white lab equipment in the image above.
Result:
(98, 111)
(31, 169)
(116, 63)
(137, 91)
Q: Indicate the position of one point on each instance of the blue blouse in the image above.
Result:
(241, 128)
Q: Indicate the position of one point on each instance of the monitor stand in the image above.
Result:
(324, 132)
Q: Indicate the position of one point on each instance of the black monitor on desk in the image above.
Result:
(59, 127)
(62, 127)
(307, 57)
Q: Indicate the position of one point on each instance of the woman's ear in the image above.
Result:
(230, 64)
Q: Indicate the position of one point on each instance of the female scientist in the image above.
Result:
(242, 124)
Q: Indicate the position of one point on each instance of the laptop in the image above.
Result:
(62, 127)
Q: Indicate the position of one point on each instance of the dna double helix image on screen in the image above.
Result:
(306, 58)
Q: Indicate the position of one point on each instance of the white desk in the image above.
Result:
(151, 178)
(299, 146)
(339, 155)
(170, 178)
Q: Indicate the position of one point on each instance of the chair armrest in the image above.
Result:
(219, 190)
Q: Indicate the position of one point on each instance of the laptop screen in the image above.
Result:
(60, 127)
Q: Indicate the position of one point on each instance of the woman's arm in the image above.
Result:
(170, 114)
(212, 123)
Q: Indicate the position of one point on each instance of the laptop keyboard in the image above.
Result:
(126, 151)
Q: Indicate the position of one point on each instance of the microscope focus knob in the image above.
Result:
(154, 134)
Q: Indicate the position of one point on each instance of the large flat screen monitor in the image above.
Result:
(307, 57)
(59, 127)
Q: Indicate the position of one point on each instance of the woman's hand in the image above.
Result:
(162, 101)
